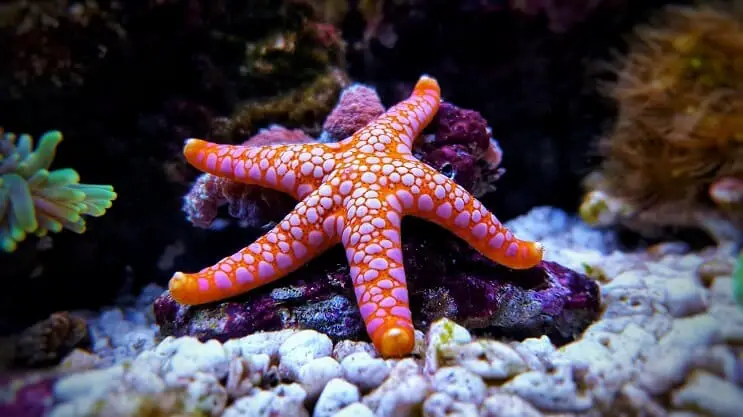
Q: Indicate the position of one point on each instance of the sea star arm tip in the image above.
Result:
(444, 202)
(394, 341)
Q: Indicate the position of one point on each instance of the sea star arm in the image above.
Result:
(395, 131)
(374, 252)
(303, 234)
(295, 169)
(444, 202)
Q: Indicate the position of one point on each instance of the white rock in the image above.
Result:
(441, 404)
(355, 410)
(345, 348)
(403, 391)
(610, 359)
(205, 394)
(149, 360)
(506, 405)
(554, 392)
(461, 384)
(709, 394)
(282, 401)
(442, 332)
(364, 371)
(629, 295)
(246, 373)
(264, 342)
(489, 359)
(719, 360)
(336, 395)
(667, 363)
(93, 383)
(143, 381)
(639, 402)
(186, 356)
(684, 297)
(536, 352)
(301, 348)
(316, 373)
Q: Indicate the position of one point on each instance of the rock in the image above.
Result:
(301, 348)
(489, 359)
(506, 405)
(187, 356)
(355, 410)
(535, 352)
(262, 343)
(709, 394)
(248, 373)
(364, 371)
(442, 333)
(315, 374)
(403, 391)
(88, 383)
(555, 391)
(462, 286)
(336, 395)
(282, 401)
(667, 363)
(344, 348)
(610, 360)
(443, 405)
(638, 402)
(684, 297)
(205, 394)
(461, 384)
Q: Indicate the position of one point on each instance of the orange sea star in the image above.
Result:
(352, 192)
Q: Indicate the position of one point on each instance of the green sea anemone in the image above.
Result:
(34, 199)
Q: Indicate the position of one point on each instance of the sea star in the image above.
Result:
(354, 192)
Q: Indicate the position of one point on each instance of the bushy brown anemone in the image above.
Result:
(678, 133)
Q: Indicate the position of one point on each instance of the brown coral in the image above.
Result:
(49, 340)
(304, 106)
(679, 130)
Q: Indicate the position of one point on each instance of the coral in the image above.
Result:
(675, 154)
(36, 200)
(357, 105)
(49, 340)
(303, 106)
(463, 149)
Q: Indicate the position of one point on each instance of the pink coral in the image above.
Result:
(357, 106)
